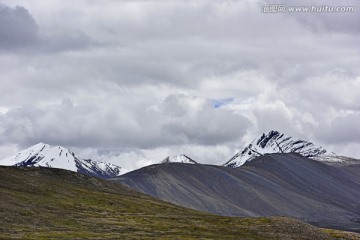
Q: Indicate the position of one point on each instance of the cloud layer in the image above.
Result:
(134, 81)
(17, 27)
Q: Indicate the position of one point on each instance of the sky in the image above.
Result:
(132, 82)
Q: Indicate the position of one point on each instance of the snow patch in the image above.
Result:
(179, 159)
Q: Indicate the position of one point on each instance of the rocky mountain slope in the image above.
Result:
(270, 185)
(44, 155)
(48, 203)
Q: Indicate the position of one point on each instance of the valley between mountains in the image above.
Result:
(276, 187)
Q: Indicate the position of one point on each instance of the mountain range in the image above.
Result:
(275, 142)
(278, 184)
(274, 175)
(49, 203)
(44, 155)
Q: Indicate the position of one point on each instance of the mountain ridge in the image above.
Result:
(45, 155)
(276, 142)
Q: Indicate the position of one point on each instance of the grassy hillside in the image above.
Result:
(46, 203)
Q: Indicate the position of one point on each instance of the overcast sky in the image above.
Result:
(131, 82)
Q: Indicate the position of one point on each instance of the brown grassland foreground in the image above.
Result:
(42, 203)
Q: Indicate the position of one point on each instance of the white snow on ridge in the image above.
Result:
(275, 142)
(23, 155)
(179, 159)
(44, 155)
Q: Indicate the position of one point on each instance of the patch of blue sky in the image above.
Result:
(220, 102)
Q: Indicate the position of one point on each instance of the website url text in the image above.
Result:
(280, 8)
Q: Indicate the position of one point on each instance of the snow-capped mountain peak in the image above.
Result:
(276, 142)
(179, 159)
(44, 155)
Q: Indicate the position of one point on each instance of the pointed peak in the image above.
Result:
(44, 155)
(179, 159)
(274, 132)
(39, 145)
(267, 138)
(275, 142)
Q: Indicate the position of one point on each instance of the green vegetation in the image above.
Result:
(46, 203)
(341, 234)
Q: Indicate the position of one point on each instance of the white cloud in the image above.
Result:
(117, 122)
(139, 77)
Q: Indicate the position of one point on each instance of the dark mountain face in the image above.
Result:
(271, 185)
(49, 203)
(352, 169)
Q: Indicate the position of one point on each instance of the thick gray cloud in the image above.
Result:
(17, 28)
(179, 119)
(125, 80)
